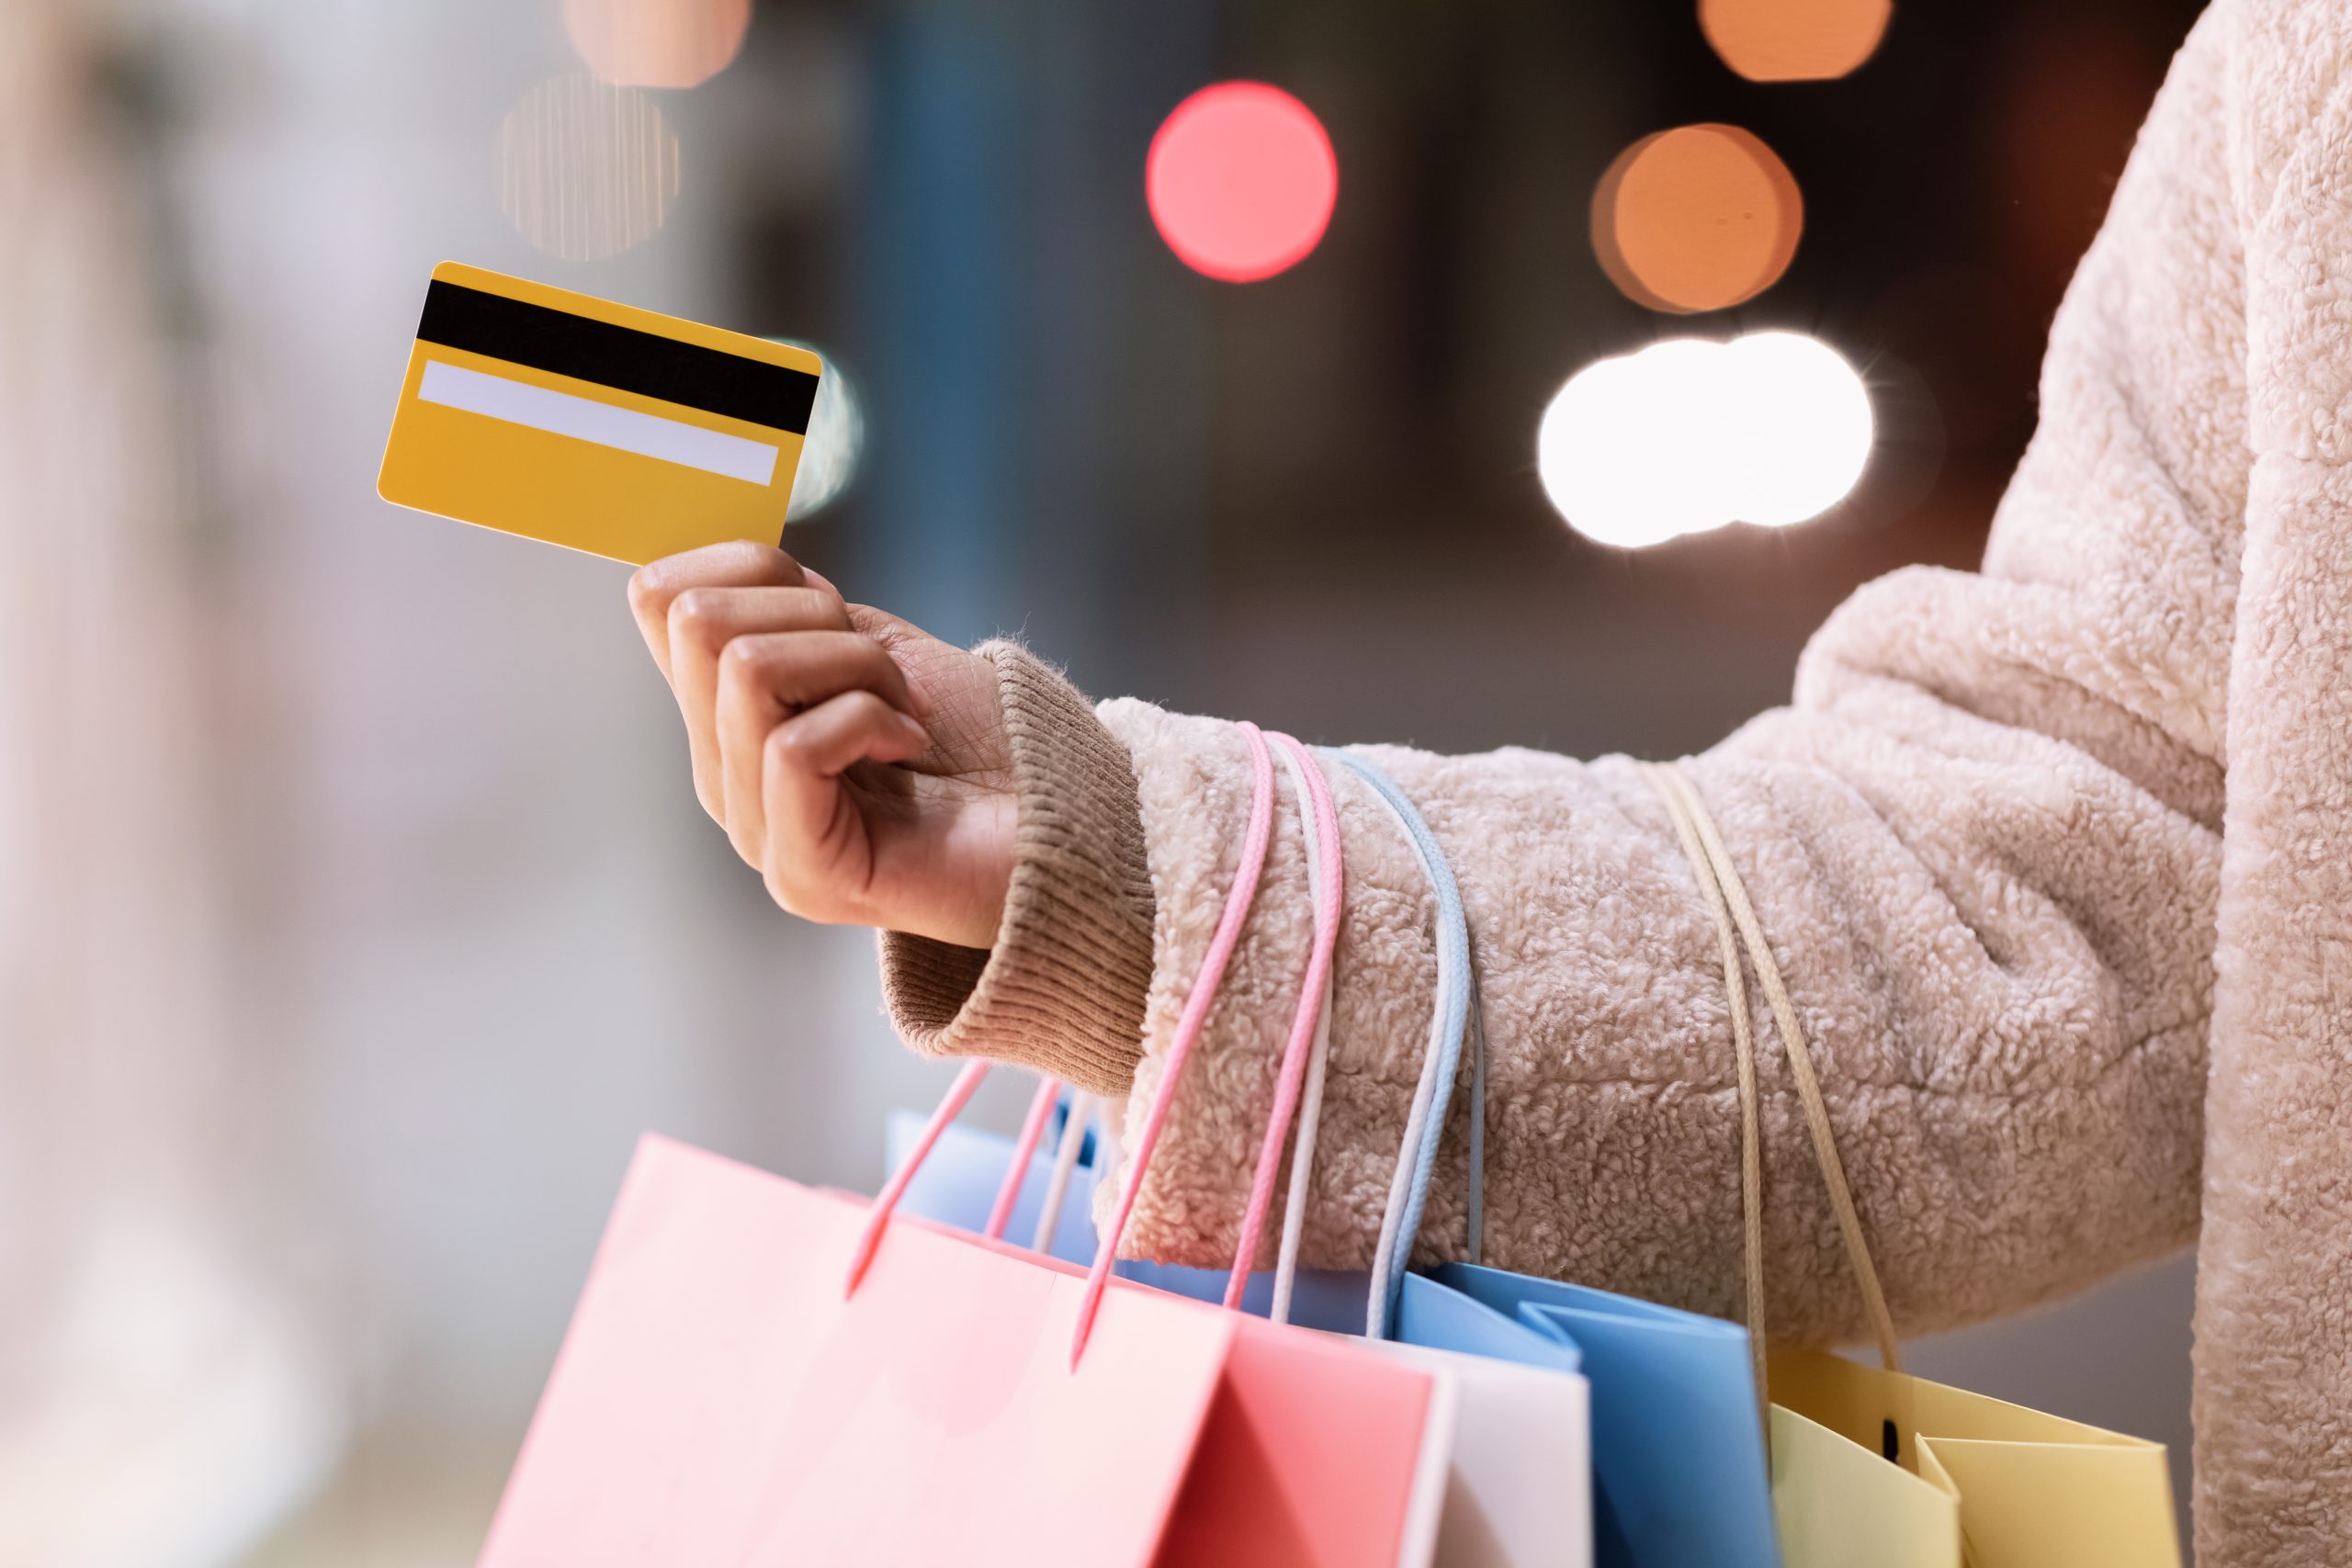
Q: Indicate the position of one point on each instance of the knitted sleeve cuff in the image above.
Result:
(1063, 988)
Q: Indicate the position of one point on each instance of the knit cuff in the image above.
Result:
(1063, 988)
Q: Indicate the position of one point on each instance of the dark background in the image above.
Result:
(1311, 501)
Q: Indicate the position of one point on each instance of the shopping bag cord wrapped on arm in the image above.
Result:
(1310, 1035)
(1425, 1123)
(1236, 914)
(1728, 898)
(1981, 1482)
(1326, 878)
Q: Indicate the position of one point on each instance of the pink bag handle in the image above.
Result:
(877, 1217)
(1229, 921)
(1033, 1127)
(1235, 915)
(1323, 821)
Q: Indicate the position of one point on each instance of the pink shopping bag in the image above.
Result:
(1315, 1453)
(719, 1401)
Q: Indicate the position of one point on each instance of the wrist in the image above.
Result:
(1062, 987)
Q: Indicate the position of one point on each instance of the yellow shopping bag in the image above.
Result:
(1977, 1481)
(1973, 1481)
(1838, 1505)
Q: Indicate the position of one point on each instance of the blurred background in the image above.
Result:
(356, 913)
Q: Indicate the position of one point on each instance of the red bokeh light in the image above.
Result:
(1241, 180)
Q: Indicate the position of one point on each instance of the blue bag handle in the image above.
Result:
(1454, 1009)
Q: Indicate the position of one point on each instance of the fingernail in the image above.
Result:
(916, 732)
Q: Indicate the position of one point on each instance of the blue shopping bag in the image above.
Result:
(1439, 1317)
(1679, 1474)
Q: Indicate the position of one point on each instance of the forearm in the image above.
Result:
(1996, 944)
(2015, 1085)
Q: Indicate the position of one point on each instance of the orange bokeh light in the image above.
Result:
(1698, 218)
(657, 43)
(1794, 40)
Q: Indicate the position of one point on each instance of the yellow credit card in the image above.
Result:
(617, 430)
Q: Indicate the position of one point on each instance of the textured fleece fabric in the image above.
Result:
(2274, 1289)
(1989, 842)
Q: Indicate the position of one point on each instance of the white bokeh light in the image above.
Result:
(1797, 431)
(1688, 435)
(1613, 451)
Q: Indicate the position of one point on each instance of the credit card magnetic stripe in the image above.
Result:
(586, 349)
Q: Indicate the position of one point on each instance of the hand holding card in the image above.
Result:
(858, 763)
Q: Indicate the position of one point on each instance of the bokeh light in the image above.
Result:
(1699, 217)
(1797, 428)
(835, 442)
(1241, 180)
(1794, 40)
(587, 169)
(1619, 449)
(657, 43)
(1687, 436)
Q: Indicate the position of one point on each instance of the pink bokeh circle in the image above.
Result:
(1241, 181)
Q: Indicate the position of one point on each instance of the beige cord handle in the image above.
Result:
(1727, 899)
(1743, 1036)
